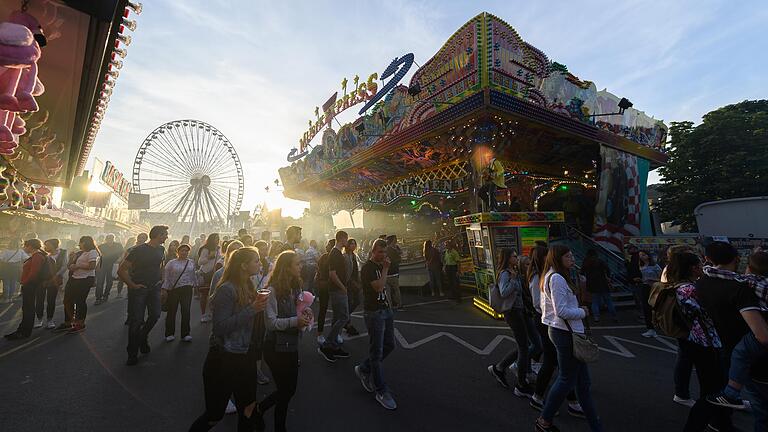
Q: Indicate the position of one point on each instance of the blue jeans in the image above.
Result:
(139, 300)
(573, 374)
(744, 354)
(340, 307)
(104, 280)
(757, 393)
(381, 334)
(602, 298)
(436, 282)
(9, 286)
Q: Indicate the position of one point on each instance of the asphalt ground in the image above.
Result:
(61, 382)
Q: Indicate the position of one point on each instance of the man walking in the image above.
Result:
(142, 273)
(395, 256)
(352, 284)
(337, 275)
(111, 251)
(380, 323)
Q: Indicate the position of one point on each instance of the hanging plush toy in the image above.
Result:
(20, 41)
(44, 196)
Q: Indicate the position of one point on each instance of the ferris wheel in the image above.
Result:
(190, 170)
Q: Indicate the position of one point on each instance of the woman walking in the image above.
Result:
(549, 353)
(451, 261)
(207, 257)
(230, 366)
(562, 314)
(282, 337)
(170, 253)
(35, 272)
(511, 289)
(82, 278)
(178, 280)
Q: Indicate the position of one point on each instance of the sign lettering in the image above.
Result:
(115, 180)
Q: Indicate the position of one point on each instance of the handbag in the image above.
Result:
(584, 347)
(164, 293)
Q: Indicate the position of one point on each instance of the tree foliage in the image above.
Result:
(724, 157)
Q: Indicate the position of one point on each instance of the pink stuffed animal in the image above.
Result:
(29, 86)
(304, 302)
(18, 50)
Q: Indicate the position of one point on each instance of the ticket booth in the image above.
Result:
(489, 233)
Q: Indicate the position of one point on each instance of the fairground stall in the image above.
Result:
(59, 61)
(419, 153)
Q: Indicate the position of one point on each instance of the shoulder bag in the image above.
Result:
(164, 293)
(584, 347)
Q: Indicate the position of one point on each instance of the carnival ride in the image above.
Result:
(486, 95)
(191, 172)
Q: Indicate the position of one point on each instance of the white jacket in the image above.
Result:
(559, 303)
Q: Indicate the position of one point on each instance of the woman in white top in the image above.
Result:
(563, 315)
(12, 260)
(82, 277)
(207, 257)
(178, 280)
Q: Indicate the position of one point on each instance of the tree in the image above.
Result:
(724, 157)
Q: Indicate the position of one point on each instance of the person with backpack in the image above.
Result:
(34, 273)
(565, 318)
(685, 319)
(510, 292)
(735, 312)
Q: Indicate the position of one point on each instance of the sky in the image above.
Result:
(255, 70)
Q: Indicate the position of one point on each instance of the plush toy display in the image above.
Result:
(4, 183)
(303, 302)
(20, 40)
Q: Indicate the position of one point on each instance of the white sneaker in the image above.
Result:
(50, 324)
(205, 318)
(187, 338)
(650, 333)
(231, 408)
(38, 323)
(685, 402)
(170, 338)
(321, 340)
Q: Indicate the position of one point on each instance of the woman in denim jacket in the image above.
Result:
(230, 367)
(282, 337)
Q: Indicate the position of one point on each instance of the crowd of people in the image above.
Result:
(717, 315)
(256, 295)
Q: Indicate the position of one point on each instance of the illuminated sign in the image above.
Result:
(420, 189)
(115, 180)
(366, 91)
(361, 92)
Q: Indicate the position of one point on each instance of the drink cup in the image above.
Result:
(263, 292)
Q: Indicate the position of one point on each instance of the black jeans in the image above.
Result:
(285, 371)
(683, 369)
(322, 287)
(452, 273)
(28, 295)
(516, 321)
(181, 296)
(548, 362)
(712, 377)
(225, 374)
(46, 294)
(487, 193)
(79, 292)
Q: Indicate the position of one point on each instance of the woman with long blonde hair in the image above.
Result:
(230, 366)
(282, 337)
